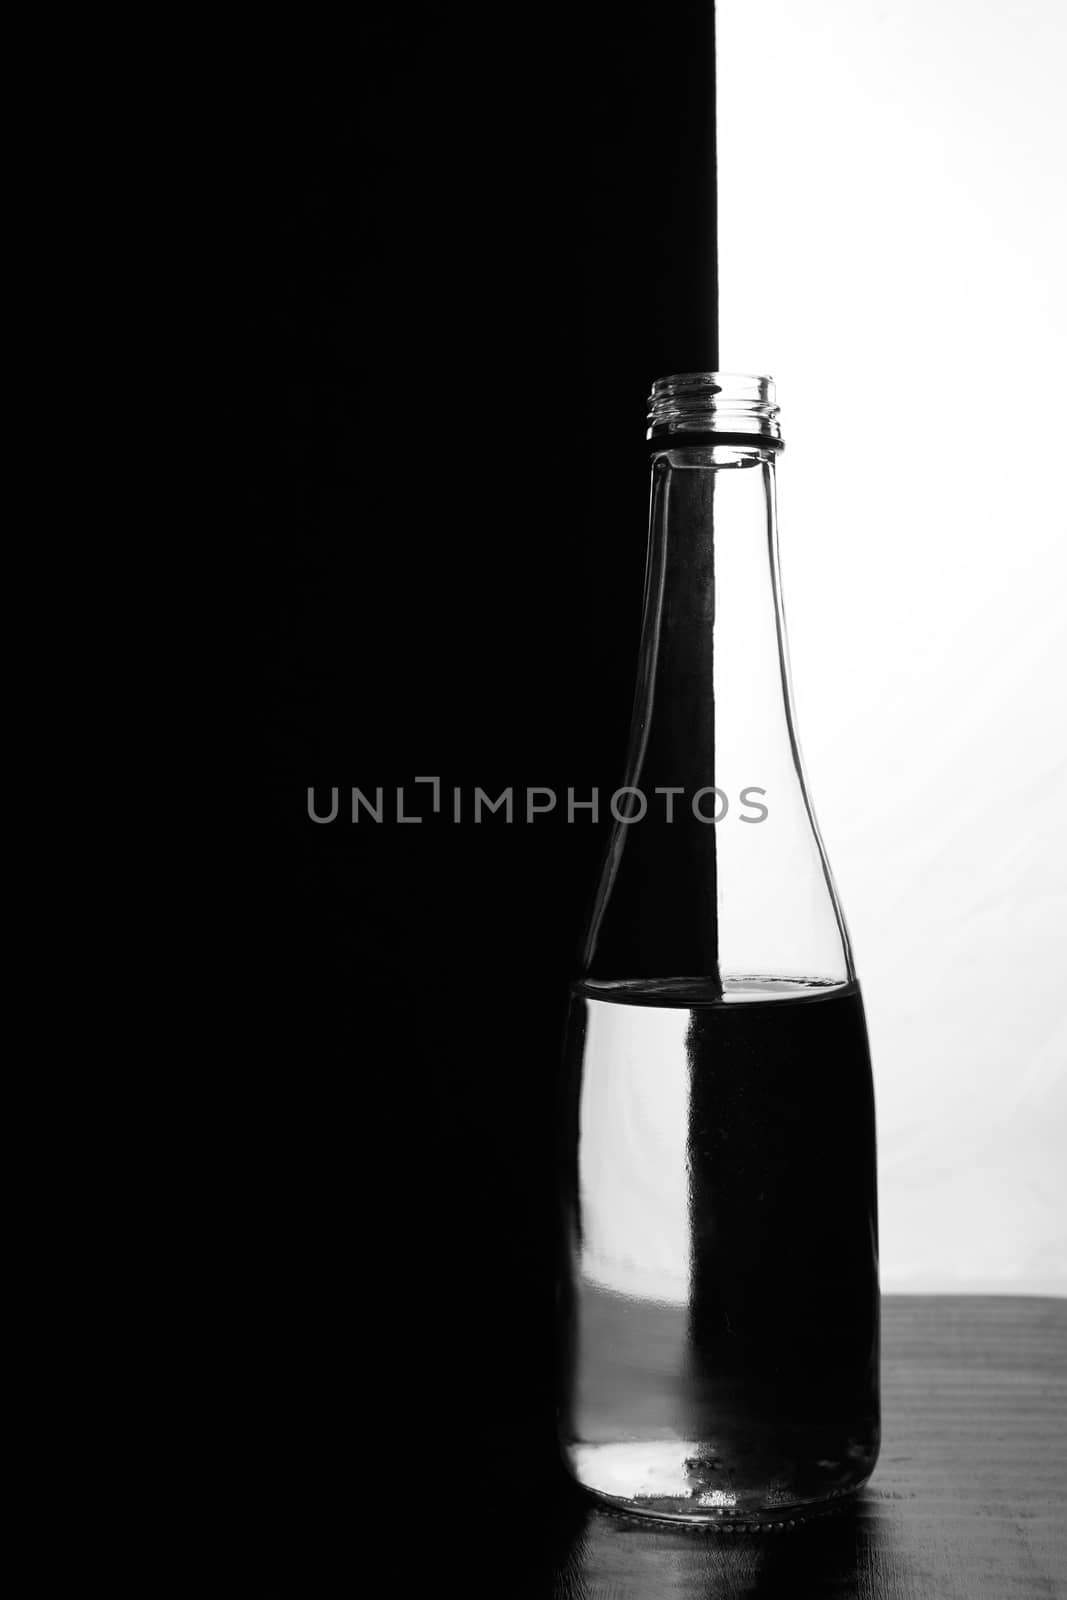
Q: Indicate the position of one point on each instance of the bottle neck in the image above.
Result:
(711, 525)
(725, 881)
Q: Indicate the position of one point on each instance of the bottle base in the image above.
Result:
(680, 1481)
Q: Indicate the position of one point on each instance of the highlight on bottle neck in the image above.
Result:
(713, 403)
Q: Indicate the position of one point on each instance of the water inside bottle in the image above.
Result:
(720, 1311)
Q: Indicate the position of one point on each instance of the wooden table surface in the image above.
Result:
(968, 1501)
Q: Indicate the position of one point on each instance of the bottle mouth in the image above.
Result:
(713, 403)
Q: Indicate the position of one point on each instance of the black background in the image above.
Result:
(453, 253)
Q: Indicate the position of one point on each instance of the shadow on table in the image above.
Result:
(603, 1557)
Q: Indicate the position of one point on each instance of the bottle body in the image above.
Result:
(722, 1311)
(719, 1304)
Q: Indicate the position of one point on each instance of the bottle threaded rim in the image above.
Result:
(713, 403)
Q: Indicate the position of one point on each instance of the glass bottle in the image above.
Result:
(719, 1306)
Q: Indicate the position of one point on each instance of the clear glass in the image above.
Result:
(719, 1311)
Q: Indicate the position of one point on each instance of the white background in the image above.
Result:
(892, 211)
